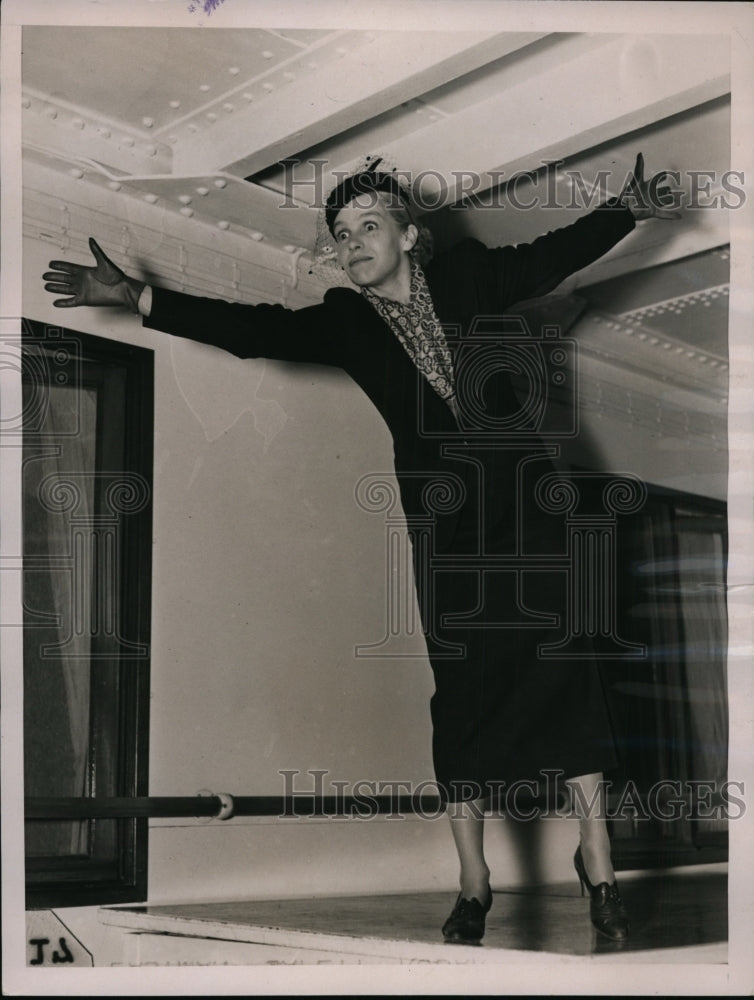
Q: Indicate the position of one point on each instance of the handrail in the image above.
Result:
(223, 806)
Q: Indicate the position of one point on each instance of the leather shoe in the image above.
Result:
(606, 908)
(465, 925)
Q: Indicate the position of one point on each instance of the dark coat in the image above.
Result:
(344, 331)
(500, 712)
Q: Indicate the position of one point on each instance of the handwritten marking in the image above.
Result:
(207, 6)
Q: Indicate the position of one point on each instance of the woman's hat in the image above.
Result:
(365, 181)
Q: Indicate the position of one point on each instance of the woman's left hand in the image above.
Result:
(645, 198)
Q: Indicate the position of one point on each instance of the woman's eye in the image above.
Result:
(342, 235)
(370, 225)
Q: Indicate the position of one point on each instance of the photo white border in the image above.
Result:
(588, 978)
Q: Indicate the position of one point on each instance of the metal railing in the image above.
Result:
(224, 806)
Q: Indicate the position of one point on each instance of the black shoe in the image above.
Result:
(465, 925)
(605, 905)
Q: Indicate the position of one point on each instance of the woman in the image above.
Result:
(500, 712)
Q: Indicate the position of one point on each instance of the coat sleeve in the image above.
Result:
(248, 331)
(530, 270)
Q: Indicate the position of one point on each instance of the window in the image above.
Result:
(671, 707)
(87, 473)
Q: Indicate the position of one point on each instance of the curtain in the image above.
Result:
(701, 572)
(58, 490)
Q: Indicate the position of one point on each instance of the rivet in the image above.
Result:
(52, 113)
(289, 76)
(228, 107)
(172, 139)
(268, 86)
(175, 104)
(75, 172)
(202, 190)
(128, 141)
(222, 224)
(115, 185)
(257, 237)
(289, 248)
(248, 97)
(267, 54)
(26, 102)
(220, 182)
(211, 116)
(151, 198)
(312, 64)
(77, 123)
(104, 132)
(193, 127)
(341, 51)
(147, 122)
(204, 87)
(234, 70)
(187, 212)
(151, 150)
(185, 199)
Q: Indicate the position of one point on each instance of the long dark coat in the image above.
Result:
(500, 711)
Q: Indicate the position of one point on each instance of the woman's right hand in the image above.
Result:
(102, 285)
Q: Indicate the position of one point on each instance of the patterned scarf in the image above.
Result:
(417, 327)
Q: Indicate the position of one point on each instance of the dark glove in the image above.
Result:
(103, 285)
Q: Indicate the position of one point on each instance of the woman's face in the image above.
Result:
(372, 248)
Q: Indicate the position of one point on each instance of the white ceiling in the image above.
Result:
(181, 117)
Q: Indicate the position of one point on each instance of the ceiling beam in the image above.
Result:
(387, 69)
(601, 88)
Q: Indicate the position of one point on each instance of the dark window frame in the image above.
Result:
(124, 374)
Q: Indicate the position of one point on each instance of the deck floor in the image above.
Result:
(668, 912)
